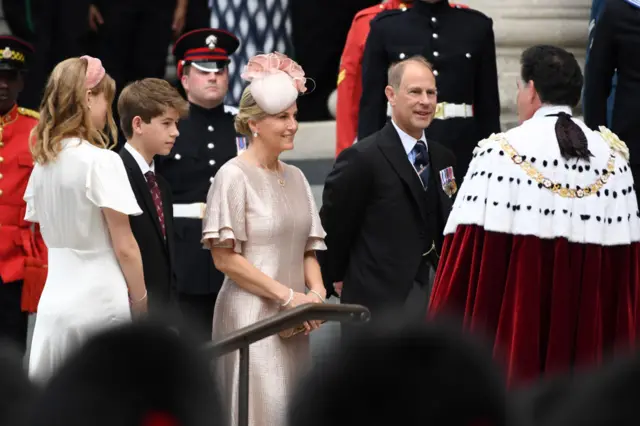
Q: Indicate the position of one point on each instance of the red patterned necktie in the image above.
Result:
(157, 199)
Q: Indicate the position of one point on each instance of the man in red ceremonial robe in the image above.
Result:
(541, 251)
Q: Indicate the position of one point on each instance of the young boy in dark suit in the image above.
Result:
(149, 111)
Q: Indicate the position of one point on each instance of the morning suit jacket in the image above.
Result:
(380, 221)
(157, 253)
(616, 42)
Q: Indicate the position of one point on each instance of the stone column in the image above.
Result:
(519, 24)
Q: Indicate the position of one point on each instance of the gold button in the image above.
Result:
(0, 191)
(0, 175)
(1, 144)
(1, 159)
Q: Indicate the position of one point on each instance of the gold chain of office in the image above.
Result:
(556, 187)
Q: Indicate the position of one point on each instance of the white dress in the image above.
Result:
(85, 289)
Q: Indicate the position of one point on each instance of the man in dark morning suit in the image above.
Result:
(386, 201)
(149, 111)
(614, 50)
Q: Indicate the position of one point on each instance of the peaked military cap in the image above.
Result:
(207, 49)
(14, 53)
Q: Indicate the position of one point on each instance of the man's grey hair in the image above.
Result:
(396, 70)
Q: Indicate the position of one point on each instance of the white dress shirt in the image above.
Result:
(409, 142)
(142, 163)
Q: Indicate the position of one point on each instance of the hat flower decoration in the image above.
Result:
(275, 81)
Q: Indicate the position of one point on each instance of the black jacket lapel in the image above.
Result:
(140, 182)
(391, 147)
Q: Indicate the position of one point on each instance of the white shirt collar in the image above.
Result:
(408, 142)
(552, 109)
(142, 163)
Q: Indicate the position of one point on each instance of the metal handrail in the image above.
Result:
(241, 339)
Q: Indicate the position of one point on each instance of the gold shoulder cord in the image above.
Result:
(556, 187)
(29, 112)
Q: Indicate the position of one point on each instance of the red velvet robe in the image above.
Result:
(547, 305)
(552, 283)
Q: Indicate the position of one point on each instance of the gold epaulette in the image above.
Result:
(29, 113)
(614, 142)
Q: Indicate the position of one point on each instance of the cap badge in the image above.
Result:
(6, 53)
(211, 41)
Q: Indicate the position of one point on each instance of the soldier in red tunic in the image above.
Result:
(22, 251)
(350, 75)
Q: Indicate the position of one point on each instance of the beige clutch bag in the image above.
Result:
(289, 333)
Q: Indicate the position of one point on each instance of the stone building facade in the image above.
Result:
(519, 24)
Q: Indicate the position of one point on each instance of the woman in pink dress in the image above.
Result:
(263, 229)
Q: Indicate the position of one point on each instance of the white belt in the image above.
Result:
(446, 110)
(191, 211)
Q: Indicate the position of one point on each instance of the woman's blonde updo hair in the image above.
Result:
(249, 110)
(64, 112)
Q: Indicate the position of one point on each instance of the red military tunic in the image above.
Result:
(350, 75)
(21, 243)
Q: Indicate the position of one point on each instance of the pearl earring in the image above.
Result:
(255, 134)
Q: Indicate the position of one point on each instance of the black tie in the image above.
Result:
(421, 162)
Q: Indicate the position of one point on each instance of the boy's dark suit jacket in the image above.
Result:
(157, 253)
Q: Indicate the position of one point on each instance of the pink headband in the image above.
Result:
(95, 71)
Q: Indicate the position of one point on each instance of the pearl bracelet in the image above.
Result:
(289, 299)
(318, 294)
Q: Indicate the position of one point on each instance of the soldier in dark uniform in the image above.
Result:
(207, 140)
(459, 43)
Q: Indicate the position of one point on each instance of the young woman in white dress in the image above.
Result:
(80, 195)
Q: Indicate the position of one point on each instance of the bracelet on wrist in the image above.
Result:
(322, 299)
(141, 299)
(289, 299)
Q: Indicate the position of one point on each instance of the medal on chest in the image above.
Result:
(448, 181)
